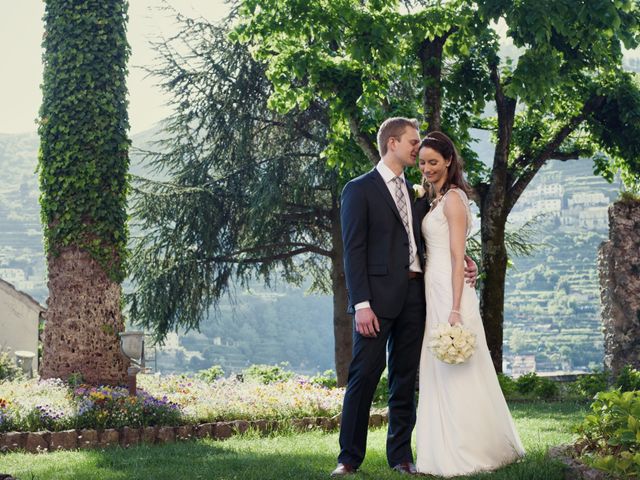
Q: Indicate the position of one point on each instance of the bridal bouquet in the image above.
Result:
(452, 344)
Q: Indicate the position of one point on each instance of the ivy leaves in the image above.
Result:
(83, 160)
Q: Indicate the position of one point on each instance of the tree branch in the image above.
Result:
(506, 108)
(233, 257)
(564, 156)
(363, 140)
(537, 161)
(302, 132)
(430, 54)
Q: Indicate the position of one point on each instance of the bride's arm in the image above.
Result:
(456, 214)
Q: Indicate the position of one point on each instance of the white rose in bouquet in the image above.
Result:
(452, 344)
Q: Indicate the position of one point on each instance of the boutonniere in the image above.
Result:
(418, 192)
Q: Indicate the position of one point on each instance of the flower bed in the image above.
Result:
(51, 405)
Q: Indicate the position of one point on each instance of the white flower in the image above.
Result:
(452, 344)
(419, 191)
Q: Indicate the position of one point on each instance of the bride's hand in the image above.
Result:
(455, 318)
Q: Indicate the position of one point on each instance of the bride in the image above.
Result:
(463, 424)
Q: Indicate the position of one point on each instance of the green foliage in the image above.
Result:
(381, 395)
(8, 368)
(326, 379)
(83, 125)
(630, 196)
(268, 374)
(507, 385)
(211, 374)
(527, 383)
(592, 383)
(609, 437)
(546, 389)
(529, 386)
(628, 379)
(369, 68)
(245, 194)
(75, 379)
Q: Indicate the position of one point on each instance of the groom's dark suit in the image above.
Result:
(376, 259)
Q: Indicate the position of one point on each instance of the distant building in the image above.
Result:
(20, 317)
(594, 217)
(522, 364)
(581, 199)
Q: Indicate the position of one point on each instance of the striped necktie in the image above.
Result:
(402, 209)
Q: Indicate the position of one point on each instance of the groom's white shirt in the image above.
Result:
(388, 177)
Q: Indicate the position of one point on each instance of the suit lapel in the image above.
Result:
(378, 181)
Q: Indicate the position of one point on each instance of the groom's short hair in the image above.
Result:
(394, 127)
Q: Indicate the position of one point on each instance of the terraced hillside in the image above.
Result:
(552, 297)
(552, 302)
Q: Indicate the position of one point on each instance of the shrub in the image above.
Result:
(610, 434)
(75, 379)
(8, 369)
(381, 395)
(211, 374)
(546, 389)
(326, 379)
(526, 384)
(267, 373)
(592, 383)
(507, 384)
(628, 379)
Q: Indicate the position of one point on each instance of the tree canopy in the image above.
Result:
(239, 191)
(565, 96)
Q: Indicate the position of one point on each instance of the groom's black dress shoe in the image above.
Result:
(407, 468)
(343, 469)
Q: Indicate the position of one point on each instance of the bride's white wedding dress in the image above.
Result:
(463, 422)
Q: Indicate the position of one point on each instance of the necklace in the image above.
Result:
(435, 202)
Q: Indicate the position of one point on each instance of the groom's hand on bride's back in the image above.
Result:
(470, 271)
(367, 323)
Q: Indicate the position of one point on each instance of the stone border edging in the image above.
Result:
(576, 470)
(41, 442)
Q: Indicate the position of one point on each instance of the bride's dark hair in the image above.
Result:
(445, 147)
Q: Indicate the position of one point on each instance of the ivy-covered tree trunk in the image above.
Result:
(83, 179)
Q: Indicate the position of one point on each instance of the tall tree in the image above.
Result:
(240, 191)
(566, 97)
(247, 189)
(83, 167)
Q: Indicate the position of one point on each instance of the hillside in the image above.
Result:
(552, 297)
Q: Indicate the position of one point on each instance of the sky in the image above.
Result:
(21, 30)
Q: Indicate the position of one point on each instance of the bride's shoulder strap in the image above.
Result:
(465, 202)
(460, 192)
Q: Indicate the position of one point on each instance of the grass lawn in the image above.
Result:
(284, 456)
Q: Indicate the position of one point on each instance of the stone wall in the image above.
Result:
(619, 268)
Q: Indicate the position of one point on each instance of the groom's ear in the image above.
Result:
(391, 143)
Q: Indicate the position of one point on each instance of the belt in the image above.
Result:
(413, 275)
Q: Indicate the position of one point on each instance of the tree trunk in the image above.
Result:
(494, 265)
(430, 54)
(342, 321)
(83, 321)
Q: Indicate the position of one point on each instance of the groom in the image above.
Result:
(384, 261)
